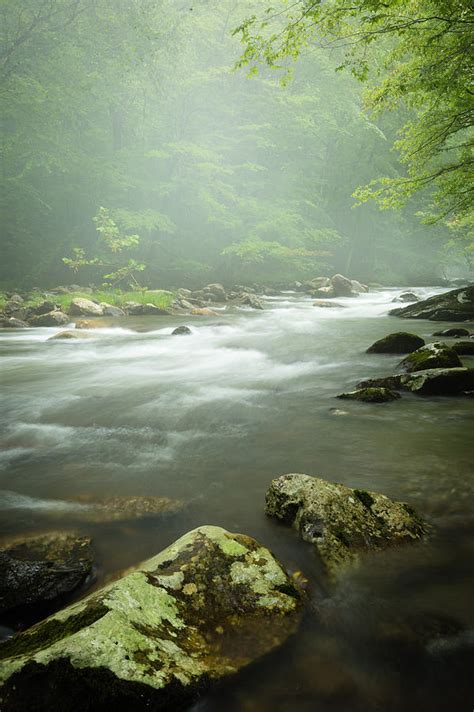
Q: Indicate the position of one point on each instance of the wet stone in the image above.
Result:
(207, 606)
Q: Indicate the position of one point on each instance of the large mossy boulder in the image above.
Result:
(371, 395)
(437, 355)
(85, 307)
(339, 521)
(457, 305)
(208, 605)
(400, 342)
(40, 568)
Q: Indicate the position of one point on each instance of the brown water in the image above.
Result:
(211, 418)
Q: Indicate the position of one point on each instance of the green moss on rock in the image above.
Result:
(341, 523)
(208, 605)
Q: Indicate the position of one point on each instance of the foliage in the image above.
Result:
(416, 55)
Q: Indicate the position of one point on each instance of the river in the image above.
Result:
(211, 418)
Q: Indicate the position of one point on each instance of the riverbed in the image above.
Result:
(210, 418)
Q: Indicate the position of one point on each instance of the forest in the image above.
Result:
(236, 355)
(140, 108)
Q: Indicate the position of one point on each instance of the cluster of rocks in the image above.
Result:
(456, 305)
(204, 608)
(194, 301)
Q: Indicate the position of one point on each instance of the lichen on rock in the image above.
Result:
(339, 521)
(208, 605)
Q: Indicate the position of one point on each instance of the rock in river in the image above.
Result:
(85, 307)
(208, 605)
(401, 342)
(41, 568)
(464, 348)
(53, 318)
(371, 395)
(456, 332)
(339, 521)
(114, 509)
(432, 382)
(457, 305)
(181, 331)
(437, 355)
(70, 335)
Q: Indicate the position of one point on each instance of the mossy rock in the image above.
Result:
(455, 332)
(371, 395)
(114, 509)
(456, 305)
(208, 605)
(439, 382)
(342, 523)
(437, 355)
(401, 342)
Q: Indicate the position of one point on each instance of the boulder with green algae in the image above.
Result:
(208, 605)
(431, 382)
(371, 395)
(401, 342)
(436, 355)
(339, 521)
(456, 305)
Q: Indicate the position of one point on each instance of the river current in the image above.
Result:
(211, 418)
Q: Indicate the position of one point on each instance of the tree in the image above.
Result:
(416, 55)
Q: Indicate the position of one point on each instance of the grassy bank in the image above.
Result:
(158, 297)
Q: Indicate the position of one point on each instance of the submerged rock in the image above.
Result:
(437, 355)
(371, 395)
(456, 332)
(464, 348)
(53, 318)
(85, 307)
(68, 335)
(208, 605)
(401, 342)
(41, 568)
(203, 311)
(339, 521)
(112, 509)
(328, 304)
(457, 305)
(181, 330)
(87, 324)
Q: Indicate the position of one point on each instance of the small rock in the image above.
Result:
(46, 307)
(113, 509)
(371, 395)
(217, 291)
(181, 330)
(203, 311)
(53, 318)
(358, 287)
(207, 606)
(111, 310)
(324, 292)
(456, 332)
(328, 305)
(406, 297)
(85, 307)
(87, 324)
(41, 568)
(400, 342)
(390, 382)
(136, 309)
(437, 355)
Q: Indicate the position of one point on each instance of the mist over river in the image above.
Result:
(211, 418)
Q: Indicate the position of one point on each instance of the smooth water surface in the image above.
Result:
(211, 418)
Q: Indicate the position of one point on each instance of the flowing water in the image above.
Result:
(211, 418)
